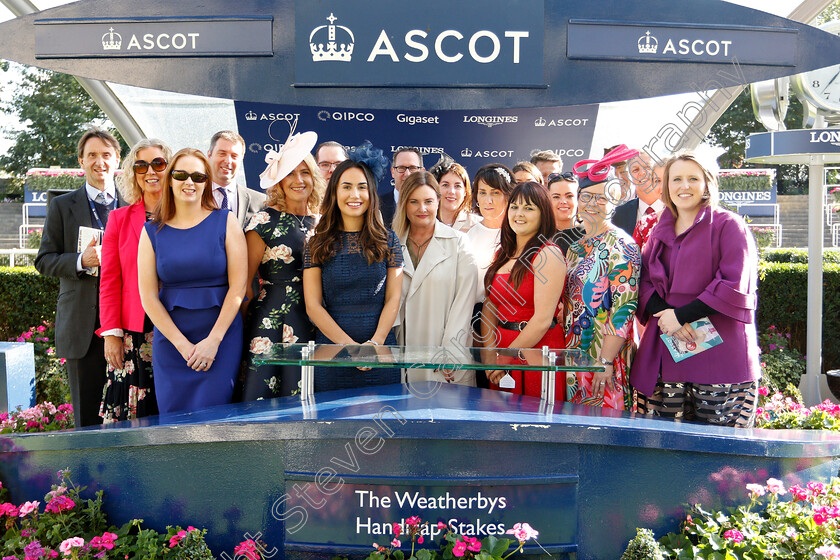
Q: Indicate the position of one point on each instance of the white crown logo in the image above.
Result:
(466, 152)
(250, 116)
(111, 41)
(648, 44)
(326, 48)
(539, 122)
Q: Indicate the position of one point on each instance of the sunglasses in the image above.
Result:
(195, 176)
(158, 164)
(567, 176)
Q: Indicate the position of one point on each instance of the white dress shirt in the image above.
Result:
(233, 198)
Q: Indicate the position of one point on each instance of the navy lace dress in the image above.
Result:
(354, 295)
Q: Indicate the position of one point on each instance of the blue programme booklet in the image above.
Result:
(706, 336)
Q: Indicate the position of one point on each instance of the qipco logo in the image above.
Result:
(345, 116)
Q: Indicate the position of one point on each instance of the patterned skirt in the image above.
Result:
(130, 392)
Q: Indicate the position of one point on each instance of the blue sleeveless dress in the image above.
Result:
(192, 268)
(354, 295)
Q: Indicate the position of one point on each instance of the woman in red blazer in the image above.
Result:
(129, 388)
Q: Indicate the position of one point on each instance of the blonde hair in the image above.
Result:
(416, 180)
(711, 183)
(276, 197)
(127, 183)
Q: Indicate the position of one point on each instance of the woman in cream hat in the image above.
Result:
(275, 237)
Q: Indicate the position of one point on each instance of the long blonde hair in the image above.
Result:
(127, 182)
(414, 181)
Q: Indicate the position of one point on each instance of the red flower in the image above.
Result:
(248, 549)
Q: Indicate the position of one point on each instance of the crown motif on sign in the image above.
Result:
(539, 122)
(250, 116)
(111, 41)
(325, 46)
(648, 44)
(466, 152)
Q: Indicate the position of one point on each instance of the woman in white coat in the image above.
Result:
(439, 280)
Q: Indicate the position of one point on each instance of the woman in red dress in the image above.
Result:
(528, 268)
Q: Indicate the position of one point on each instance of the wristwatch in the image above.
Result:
(604, 361)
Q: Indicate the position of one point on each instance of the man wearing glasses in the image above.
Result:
(328, 155)
(644, 210)
(77, 267)
(406, 161)
(226, 151)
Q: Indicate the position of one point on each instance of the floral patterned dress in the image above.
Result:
(130, 392)
(278, 314)
(600, 298)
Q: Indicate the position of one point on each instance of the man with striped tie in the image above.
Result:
(227, 148)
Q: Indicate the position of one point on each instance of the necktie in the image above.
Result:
(223, 192)
(649, 210)
(102, 200)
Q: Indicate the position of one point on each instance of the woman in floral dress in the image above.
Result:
(275, 238)
(601, 295)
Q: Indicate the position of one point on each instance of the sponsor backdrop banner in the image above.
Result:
(472, 138)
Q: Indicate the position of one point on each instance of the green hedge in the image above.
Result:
(798, 255)
(28, 298)
(54, 179)
(782, 301)
(744, 181)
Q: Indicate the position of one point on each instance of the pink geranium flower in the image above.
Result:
(755, 490)
(775, 486)
(68, 544)
(176, 538)
(523, 532)
(248, 549)
(734, 535)
(28, 507)
(799, 493)
(106, 541)
(829, 551)
(459, 549)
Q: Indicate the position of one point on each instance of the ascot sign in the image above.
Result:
(337, 44)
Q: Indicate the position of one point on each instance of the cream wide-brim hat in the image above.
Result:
(285, 161)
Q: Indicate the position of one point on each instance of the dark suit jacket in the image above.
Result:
(78, 295)
(387, 207)
(624, 216)
(249, 202)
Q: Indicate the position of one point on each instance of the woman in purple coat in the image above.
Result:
(700, 262)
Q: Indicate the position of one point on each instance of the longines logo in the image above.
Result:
(826, 137)
(324, 115)
(112, 41)
(424, 150)
(324, 45)
(468, 153)
(491, 120)
(541, 121)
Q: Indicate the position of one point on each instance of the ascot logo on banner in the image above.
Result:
(609, 40)
(541, 121)
(380, 43)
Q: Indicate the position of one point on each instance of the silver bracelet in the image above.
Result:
(372, 342)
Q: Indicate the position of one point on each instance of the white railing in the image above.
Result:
(23, 229)
(775, 225)
(835, 235)
(13, 253)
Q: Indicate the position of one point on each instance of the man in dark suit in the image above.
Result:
(77, 312)
(227, 149)
(647, 180)
(406, 161)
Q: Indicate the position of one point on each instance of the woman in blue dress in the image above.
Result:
(192, 275)
(352, 271)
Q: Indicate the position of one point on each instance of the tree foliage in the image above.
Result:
(54, 110)
(731, 130)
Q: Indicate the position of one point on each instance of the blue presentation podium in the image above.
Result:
(328, 475)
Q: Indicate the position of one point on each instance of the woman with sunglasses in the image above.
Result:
(563, 190)
(193, 268)
(129, 387)
(601, 291)
(352, 270)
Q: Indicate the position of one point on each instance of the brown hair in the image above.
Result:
(495, 176)
(102, 134)
(276, 197)
(414, 181)
(711, 183)
(373, 237)
(530, 169)
(461, 173)
(228, 135)
(531, 193)
(166, 209)
(127, 184)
